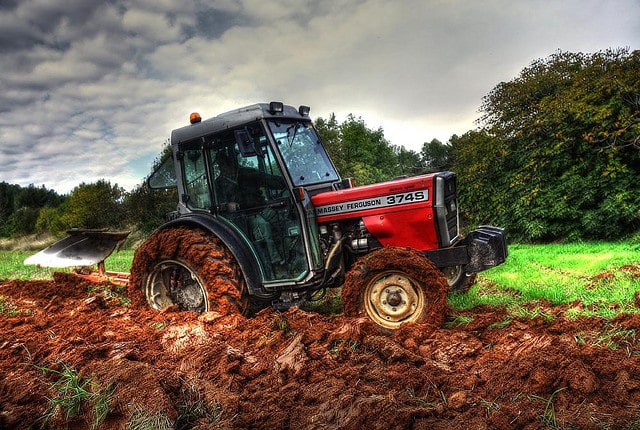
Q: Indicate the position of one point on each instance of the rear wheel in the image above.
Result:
(190, 269)
(393, 286)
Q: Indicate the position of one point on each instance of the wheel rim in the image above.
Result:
(172, 282)
(393, 298)
(453, 274)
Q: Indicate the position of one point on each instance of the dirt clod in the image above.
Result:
(303, 370)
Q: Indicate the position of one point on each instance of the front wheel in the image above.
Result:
(458, 279)
(190, 269)
(393, 286)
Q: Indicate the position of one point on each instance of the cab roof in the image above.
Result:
(237, 117)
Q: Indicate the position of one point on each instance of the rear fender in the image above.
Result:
(238, 247)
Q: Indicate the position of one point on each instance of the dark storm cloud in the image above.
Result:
(27, 23)
(89, 90)
(213, 23)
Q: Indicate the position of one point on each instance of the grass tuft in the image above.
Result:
(141, 420)
(548, 417)
(193, 408)
(73, 393)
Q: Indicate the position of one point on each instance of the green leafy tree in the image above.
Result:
(50, 220)
(329, 131)
(7, 207)
(435, 156)
(476, 158)
(409, 162)
(23, 221)
(568, 129)
(29, 202)
(368, 151)
(37, 197)
(20, 207)
(146, 208)
(358, 151)
(96, 205)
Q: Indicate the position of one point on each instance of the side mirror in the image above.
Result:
(246, 143)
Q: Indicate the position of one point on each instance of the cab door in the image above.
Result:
(250, 191)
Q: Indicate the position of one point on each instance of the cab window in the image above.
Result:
(195, 180)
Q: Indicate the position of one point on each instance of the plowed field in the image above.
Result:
(304, 370)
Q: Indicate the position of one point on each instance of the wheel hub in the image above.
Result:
(172, 283)
(393, 299)
(189, 296)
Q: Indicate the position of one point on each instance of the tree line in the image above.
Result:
(36, 210)
(358, 152)
(555, 156)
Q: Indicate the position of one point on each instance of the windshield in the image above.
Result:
(304, 155)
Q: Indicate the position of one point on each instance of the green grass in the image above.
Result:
(73, 393)
(595, 279)
(12, 267)
(590, 279)
(548, 417)
(120, 261)
(611, 337)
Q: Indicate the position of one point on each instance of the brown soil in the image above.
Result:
(304, 370)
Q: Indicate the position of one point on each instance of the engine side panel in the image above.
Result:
(396, 213)
(408, 228)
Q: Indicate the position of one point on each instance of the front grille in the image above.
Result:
(446, 208)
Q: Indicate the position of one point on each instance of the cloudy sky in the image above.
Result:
(92, 89)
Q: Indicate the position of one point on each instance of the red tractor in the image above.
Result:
(264, 219)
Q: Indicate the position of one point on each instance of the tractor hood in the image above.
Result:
(376, 199)
(419, 212)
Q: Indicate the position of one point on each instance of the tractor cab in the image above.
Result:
(253, 170)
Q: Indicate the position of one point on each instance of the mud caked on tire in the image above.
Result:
(393, 286)
(190, 269)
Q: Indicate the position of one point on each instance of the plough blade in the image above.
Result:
(81, 247)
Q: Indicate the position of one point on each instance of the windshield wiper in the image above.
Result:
(295, 133)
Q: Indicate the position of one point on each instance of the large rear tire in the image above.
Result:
(190, 269)
(393, 286)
